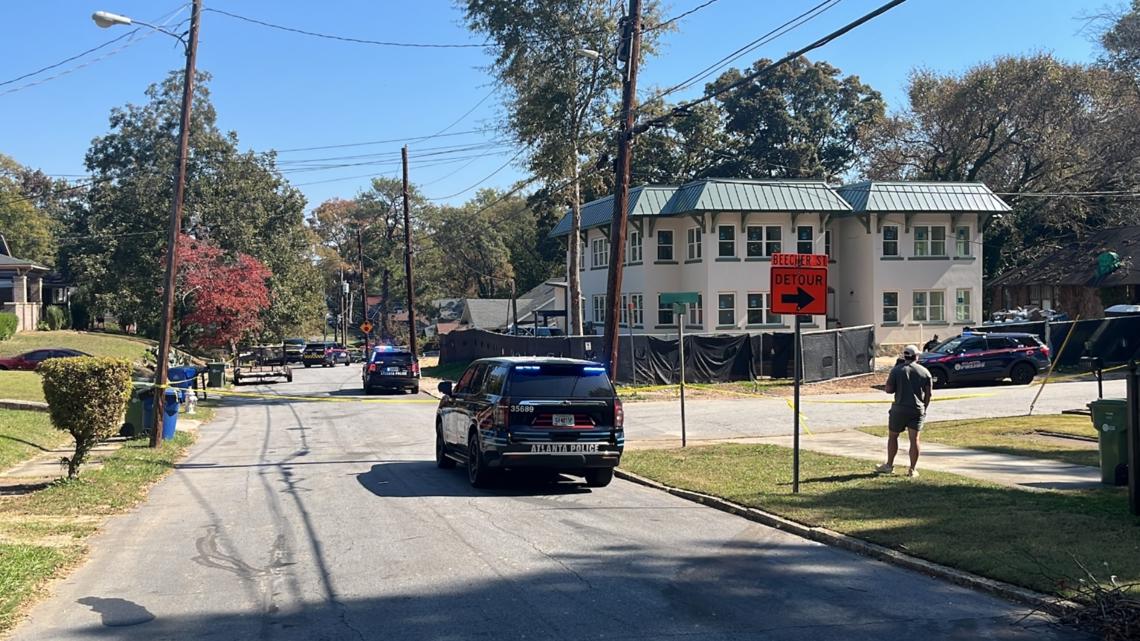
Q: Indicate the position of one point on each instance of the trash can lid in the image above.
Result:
(1109, 402)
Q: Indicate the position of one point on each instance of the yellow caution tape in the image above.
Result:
(958, 397)
(803, 419)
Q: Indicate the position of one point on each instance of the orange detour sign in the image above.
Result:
(799, 284)
(366, 327)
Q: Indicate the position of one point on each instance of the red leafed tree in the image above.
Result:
(222, 294)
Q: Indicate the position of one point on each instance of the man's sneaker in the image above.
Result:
(912, 473)
(885, 469)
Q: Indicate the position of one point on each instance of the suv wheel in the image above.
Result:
(599, 476)
(939, 376)
(442, 461)
(1022, 374)
(477, 472)
(416, 388)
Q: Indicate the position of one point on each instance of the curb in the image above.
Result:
(34, 406)
(1001, 589)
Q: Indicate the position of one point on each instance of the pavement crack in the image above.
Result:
(534, 546)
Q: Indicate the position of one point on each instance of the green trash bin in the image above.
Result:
(1110, 418)
(216, 374)
(134, 423)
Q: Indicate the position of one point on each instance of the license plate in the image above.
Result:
(394, 371)
(562, 420)
(565, 448)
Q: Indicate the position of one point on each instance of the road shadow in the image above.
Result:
(118, 613)
(410, 479)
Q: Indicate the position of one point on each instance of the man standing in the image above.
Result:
(911, 385)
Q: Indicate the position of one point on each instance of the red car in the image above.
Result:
(30, 360)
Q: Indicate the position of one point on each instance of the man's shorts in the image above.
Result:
(904, 418)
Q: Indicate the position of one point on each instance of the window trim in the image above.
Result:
(720, 242)
(766, 315)
(719, 309)
(884, 307)
(638, 312)
(810, 240)
(661, 246)
(959, 317)
(928, 306)
(598, 306)
(927, 245)
(665, 308)
(895, 240)
(966, 242)
(604, 243)
(694, 239)
(639, 246)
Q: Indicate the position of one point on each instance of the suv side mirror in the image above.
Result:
(445, 387)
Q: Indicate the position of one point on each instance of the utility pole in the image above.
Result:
(175, 227)
(408, 255)
(631, 38)
(363, 288)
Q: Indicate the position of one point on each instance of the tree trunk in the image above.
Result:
(385, 317)
(574, 277)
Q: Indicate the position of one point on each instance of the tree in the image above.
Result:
(469, 251)
(557, 101)
(237, 201)
(222, 295)
(26, 223)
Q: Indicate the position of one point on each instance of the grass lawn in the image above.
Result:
(430, 367)
(43, 533)
(1026, 538)
(1014, 435)
(23, 434)
(95, 343)
(21, 386)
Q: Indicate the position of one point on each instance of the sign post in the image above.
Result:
(679, 300)
(798, 287)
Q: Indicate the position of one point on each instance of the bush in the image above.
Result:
(80, 316)
(86, 396)
(8, 324)
(55, 317)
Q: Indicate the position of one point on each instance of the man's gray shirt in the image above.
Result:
(909, 380)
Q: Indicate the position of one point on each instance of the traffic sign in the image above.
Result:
(799, 284)
(366, 327)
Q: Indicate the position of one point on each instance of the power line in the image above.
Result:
(488, 177)
(382, 43)
(381, 142)
(681, 16)
(67, 60)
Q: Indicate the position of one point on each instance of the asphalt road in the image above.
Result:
(328, 521)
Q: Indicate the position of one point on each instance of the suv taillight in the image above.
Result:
(501, 414)
(371, 367)
(416, 368)
(619, 415)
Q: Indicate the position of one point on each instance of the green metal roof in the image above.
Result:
(918, 197)
(720, 194)
(646, 200)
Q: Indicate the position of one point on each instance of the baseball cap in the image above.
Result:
(910, 351)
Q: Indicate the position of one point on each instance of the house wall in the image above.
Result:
(859, 274)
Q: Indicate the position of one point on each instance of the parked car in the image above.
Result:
(978, 356)
(526, 412)
(294, 349)
(31, 360)
(336, 354)
(391, 368)
(314, 354)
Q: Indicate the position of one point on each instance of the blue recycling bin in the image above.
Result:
(182, 377)
(169, 410)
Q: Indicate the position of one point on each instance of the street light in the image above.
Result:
(105, 20)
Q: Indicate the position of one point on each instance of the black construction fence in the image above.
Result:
(708, 358)
(1113, 340)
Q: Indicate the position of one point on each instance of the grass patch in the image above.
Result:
(1016, 435)
(448, 372)
(43, 533)
(21, 386)
(1026, 538)
(24, 434)
(94, 343)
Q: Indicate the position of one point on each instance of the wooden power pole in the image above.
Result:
(408, 255)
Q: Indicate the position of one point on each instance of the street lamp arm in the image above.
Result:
(106, 19)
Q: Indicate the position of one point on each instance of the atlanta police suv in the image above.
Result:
(987, 357)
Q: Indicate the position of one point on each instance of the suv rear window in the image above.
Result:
(316, 347)
(559, 380)
(401, 358)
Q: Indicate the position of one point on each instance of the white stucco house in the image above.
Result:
(905, 257)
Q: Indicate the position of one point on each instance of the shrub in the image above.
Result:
(8, 324)
(55, 317)
(80, 316)
(86, 396)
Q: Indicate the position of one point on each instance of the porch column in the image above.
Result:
(20, 288)
(35, 289)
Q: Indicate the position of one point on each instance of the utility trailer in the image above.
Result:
(260, 363)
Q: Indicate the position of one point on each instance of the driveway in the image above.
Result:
(328, 521)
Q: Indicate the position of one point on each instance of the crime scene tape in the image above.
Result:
(957, 397)
(295, 397)
(803, 419)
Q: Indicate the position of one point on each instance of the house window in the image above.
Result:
(804, 241)
(624, 321)
(694, 243)
(664, 245)
(929, 307)
(962, 306)
(929, 241)
(634, 247)
(962, 241)
(726, 241)
(725, 309)
(773, 240)
(637, 308)
(664, 312)
(891, 241)
(1042, 296)
(754, 241)
(601, 252)
(891, 306)
(582, 255)
(696, 312)
(827, 243)
(599, 309)
(759, 310)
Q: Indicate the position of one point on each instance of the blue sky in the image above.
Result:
(281, 90)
